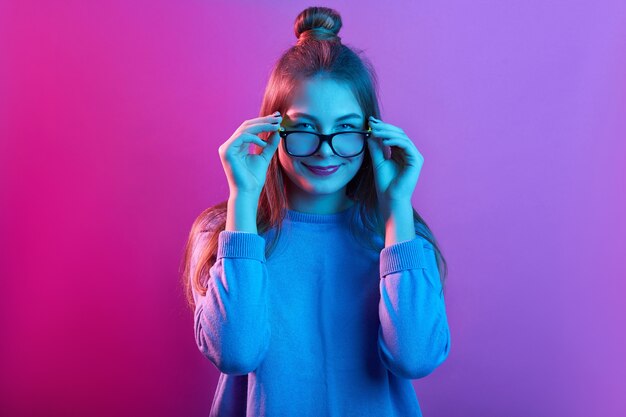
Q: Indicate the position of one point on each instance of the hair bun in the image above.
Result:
(319, 23)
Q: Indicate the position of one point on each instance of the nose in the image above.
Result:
(325, 150)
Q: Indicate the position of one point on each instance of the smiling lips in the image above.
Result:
(322, 170)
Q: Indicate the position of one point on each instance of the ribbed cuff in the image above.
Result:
(403, 255)
(232, 244)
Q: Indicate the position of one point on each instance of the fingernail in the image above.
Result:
(276, 113)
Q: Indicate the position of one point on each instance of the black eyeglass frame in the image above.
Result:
(323, 138)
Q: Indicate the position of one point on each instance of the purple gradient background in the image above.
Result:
(111, 115)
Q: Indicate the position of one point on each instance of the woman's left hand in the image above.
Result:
(395, 182)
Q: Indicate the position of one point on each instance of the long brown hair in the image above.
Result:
(319, 51)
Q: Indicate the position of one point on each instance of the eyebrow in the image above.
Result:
(308, 116)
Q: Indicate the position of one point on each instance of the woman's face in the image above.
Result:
(319, 105)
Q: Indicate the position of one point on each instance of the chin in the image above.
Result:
(316, 186)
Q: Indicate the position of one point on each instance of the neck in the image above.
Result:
(304, 202)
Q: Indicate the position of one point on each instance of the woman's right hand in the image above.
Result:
(246, 172)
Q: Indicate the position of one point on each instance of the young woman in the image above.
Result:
(316, 286)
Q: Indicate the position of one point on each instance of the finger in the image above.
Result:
(376, 150)
(266, 142)
(384, 132)
(242, 144)
(247, 139)
(410, 152)
(257, 128)
(381, 135)
(396, 139)
(272, 144)
(262, 119)
(380, 124)
(272, 119)
(387, 135)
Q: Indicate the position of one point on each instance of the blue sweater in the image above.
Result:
(323, 326)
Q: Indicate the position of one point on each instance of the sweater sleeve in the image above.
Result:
(231, 322)
(414, 337)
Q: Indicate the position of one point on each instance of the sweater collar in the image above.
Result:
(338, 217)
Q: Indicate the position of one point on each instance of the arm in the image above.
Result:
(231, 322)
(414, 337)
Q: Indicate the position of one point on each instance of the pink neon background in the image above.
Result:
(111, 115)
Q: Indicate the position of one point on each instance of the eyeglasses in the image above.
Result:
(304, 143)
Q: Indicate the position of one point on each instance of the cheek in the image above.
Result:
(284, 160)
(288, 165)
(355, 164)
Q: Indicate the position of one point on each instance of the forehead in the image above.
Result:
(324, 98)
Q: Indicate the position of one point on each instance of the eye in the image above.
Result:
(343, 125)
